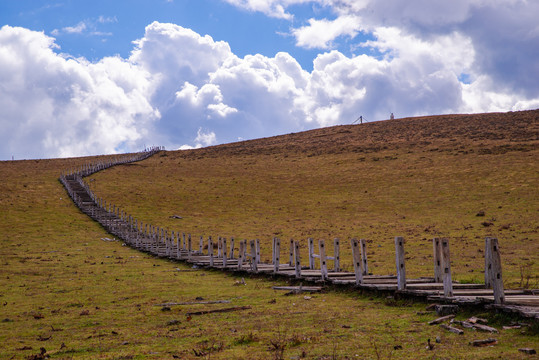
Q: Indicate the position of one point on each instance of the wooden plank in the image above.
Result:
(310, 243)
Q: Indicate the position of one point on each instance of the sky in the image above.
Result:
(96, 77)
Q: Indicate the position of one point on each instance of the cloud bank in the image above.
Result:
(182, 89)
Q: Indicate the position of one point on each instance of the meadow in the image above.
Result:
(63, 288)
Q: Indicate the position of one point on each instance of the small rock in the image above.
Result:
(397, 347)
(443, 310)
(307, 297)
(165, 308)
(528, 351)
(438, 340)
(173, 322)
(480, 213)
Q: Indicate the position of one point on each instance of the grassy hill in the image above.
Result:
(418, 177)
(65, 289)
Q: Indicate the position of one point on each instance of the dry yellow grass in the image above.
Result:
(64, 289)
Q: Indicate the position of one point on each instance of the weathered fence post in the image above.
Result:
(495, 270)
(488, 265)
(446, 268)
(276, 254)
(201, 245)
(323, 265)
(210, 250)
(336, 255)
(254, 262)
(241, 254)
(231, 256)
(257, 243)
(310, 243)
(291, 255)
(401, 270)
(437, 253)
(189, 247)
(363, 245)
(297, 263)
(224, 253)
(357, 262)
(219, 246)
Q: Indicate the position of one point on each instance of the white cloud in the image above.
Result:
(320, 33)
(77, 29)
(56, 106)
(179, 87)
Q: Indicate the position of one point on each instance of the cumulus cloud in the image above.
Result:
(182, 89)
(51, 105)
(320, 33)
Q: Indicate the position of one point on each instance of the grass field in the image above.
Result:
(66, 290)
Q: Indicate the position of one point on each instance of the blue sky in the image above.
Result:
(112, 26)
(92, 77)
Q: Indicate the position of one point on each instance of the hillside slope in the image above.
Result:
(419, 178)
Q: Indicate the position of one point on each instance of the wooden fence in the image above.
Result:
(222, 253)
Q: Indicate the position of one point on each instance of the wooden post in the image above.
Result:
(357, 262)
(254, 263)
(231, 256)
(276, 254)
(323, 265)
(297, 263)
(178, 247)
(224, 252)
(446, 268)
(241, 254)
(201, 245)
(363, 245)
(167, 247)
(219, 246)
(189, 247)
(437, 252)
(183, 242)
(336, 255)
(496, 272)
(210, 250)
(257, 243)
(488, 265)
(311, 252)
(291, 255)
(401, 270)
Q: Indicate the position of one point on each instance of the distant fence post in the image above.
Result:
(446, 269)
(231, 256)
(210, 250)
(323, 264)
(189, 247)
(254, 263)
(224, 253)
(401, 270)
(363, 245)
(241, 254)
(297, 263)
(291, 254)
(495, 270)
(357, 261)
(336, 255)
(276, 254)
(437, 254)
(310, 243)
